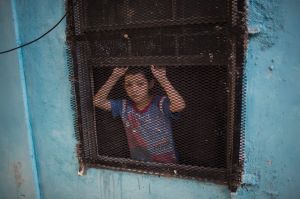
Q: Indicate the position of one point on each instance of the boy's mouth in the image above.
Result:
(136, 97)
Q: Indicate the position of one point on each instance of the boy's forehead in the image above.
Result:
(135, 77)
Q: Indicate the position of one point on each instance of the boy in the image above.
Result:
(146, 118)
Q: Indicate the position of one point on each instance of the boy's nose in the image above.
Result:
(135, 88)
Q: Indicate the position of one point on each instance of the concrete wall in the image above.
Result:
(17, 167)
(273, 103)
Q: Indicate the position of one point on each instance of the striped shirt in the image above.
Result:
(148, 131)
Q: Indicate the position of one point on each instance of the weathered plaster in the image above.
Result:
(273, 102)
(17, 167)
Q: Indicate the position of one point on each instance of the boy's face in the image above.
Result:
(137, 87)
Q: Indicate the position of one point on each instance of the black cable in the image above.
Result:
(30, 42)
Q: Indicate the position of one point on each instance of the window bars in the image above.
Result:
(200, 43)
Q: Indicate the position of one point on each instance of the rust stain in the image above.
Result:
(18, 173)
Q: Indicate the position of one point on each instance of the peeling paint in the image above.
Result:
(266, 18)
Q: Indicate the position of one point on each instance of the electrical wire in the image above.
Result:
(30, 42)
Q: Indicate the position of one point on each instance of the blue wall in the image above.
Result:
(273, 103)
(17, 167)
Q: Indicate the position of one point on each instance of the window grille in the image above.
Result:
(201, 44)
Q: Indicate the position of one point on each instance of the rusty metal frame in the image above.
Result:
(81, 74)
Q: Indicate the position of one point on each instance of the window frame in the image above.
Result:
(85, 120)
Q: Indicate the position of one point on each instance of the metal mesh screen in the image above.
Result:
(200, 45)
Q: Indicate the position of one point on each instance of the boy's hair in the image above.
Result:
(133, 70)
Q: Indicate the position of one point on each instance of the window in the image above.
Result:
(201, 44)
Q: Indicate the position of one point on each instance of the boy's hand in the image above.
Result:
(119, 71)
(159, 73)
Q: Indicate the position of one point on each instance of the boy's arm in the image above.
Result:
(177, 103)
(100, 99)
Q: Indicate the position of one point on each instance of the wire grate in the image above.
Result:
(128, 119)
